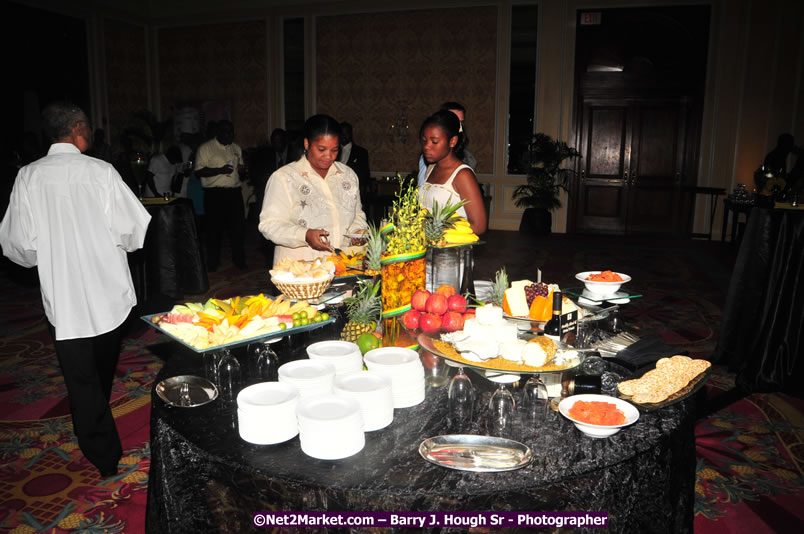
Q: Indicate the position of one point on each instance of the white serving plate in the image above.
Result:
(389, 357)
(305, 370)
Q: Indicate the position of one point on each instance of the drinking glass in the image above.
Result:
(229, 376)
(502, 408)
(461, 400)
(436, 370)
(615, 322)
(535, 404)
(264, 361)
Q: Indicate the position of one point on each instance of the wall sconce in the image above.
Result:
(399, 127)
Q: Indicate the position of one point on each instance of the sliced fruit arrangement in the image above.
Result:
(219, 322)
(346, 264)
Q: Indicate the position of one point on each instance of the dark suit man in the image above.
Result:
(356, 157)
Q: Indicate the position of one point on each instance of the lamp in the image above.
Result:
(399, 127)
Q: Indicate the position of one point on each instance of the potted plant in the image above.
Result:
(546, 179)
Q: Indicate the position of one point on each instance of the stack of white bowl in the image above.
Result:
(343, 355)
(330, 427)
(373, 392)
(310, 377)
(404, 369)
(266, 412)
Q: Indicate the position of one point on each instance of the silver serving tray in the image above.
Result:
(482, 454)
(186, 391)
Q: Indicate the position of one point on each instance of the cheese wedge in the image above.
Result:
(515, 303)
(521, 284)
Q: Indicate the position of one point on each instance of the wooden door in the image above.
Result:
(657, 151)
(602, 203)
(631, 170)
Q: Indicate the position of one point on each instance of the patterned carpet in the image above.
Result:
(750, 454)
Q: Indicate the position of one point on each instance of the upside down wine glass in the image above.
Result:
(535, 404)
(502, 410)
(461, 400)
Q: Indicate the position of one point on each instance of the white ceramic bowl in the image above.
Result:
(599, 431)
(601, 288)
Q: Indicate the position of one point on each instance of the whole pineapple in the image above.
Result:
(439, 220)
(498, 287)
(375, 246)
(363, 310)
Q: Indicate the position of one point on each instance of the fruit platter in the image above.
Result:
(225, 323)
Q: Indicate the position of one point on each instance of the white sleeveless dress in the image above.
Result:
(441, 193)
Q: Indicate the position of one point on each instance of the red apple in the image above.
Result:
(437, 304)
(411, 319)
(429, 323)
(452, 322)
(419, 300)
(445, 290)
(456, 303)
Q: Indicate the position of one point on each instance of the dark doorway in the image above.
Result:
(640, 78)
(48, 61)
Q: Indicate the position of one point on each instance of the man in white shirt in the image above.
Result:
(74, 218)
(218, 163)
(161, 172)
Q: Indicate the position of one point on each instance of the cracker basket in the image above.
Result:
(304, 290)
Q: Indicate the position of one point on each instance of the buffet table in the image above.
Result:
(170, 262)
(204, 478)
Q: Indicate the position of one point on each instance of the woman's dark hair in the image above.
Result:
(448, 122)
(59, 118)
(319, 125)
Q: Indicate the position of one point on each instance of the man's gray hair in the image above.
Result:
(59, 118)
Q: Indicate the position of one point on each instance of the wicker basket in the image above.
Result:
(303, 290)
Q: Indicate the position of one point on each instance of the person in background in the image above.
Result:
(100, 148)
(72, 217)
(162, 169)
(354, 155)
(279, 149)
(312, 203)
(447, 178)
(218, 163)
(467, 156)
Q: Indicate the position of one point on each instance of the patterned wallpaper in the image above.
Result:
(372, 68)
(126, 64)
(218, 62)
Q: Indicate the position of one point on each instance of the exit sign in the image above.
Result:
(590, 18)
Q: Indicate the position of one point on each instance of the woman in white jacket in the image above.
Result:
(312, 204)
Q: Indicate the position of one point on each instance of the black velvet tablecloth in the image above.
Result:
(170, 263)
(762, 335)
(204, 478)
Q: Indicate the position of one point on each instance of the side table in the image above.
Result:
(735, 209)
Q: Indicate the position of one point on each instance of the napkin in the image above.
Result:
(645, 352)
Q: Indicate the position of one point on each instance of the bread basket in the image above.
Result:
(304, 290)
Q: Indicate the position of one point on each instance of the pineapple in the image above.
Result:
(375, 246)
(363, 310)
(439, 220)
(498, 287)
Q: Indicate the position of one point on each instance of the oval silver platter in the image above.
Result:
(482, 454)
(199, 391)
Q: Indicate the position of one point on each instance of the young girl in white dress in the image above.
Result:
(448, 179)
